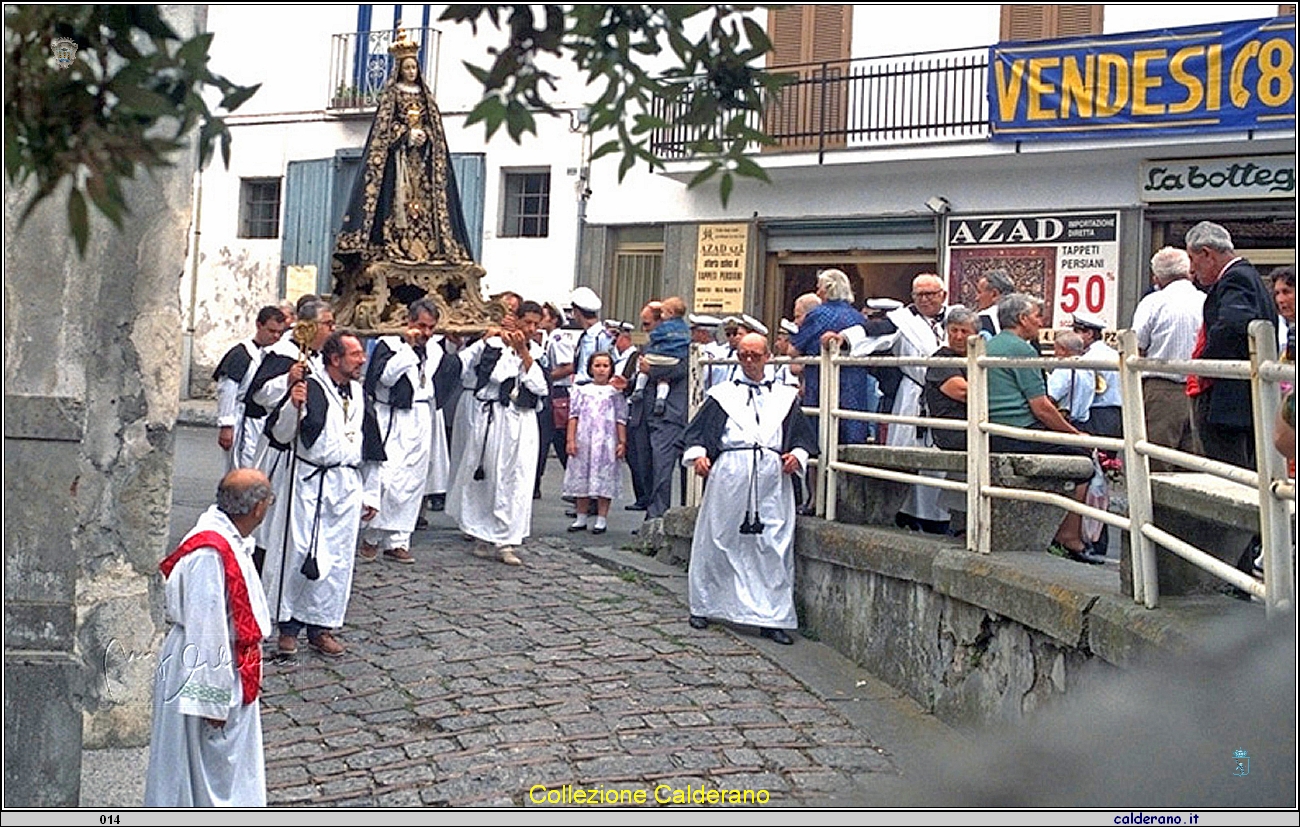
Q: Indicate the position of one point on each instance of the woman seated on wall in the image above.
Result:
(945, 388)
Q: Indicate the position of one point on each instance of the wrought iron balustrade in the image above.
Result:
(864, 102)
(360, 66)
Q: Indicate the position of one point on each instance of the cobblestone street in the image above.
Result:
(469, 683)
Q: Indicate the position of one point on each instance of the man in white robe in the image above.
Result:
(747, 440)
(237, 432)
(491, 497)
(920, 331)
(308, 577)
(283, 364)
(401, 383)
(206, 745)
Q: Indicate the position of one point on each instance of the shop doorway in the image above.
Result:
(873, 275)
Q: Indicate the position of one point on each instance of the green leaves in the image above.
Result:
(710, 82)
(132, 94)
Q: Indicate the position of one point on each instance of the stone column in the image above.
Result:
(92, 371)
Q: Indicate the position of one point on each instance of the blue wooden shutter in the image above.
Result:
(470, 169)
(307, 227)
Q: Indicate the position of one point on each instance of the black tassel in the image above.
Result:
(479, 474)
(309, 568)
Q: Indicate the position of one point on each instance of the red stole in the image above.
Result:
(248, 635)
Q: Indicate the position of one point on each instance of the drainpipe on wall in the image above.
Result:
(578, 123)
(187, 338)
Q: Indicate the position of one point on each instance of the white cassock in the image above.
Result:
(916, 337)
(439, 476)
(747, 577)
(326, 494)
(265, 395)
(402, 385)
(233, 376)
(501, 442)
(191, 762)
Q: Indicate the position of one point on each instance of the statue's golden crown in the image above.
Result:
(403, 46)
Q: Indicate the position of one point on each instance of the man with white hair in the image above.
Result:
(834, 314)
(1166, 323)
(1235, 297)
(918, 331)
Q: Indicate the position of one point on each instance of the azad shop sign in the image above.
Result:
(1070, 260)
(1269, 176)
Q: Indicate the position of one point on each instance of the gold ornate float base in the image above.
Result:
(374, 301)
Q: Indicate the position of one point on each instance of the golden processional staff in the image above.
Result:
(304, 336)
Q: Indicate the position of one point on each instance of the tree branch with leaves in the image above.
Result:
(128, 100)
(712, 86)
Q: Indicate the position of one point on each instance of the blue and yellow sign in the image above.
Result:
(1218, 78)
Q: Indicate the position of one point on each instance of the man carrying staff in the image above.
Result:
(748, 439)
(206, 745)
(284, 363)
(326, 423)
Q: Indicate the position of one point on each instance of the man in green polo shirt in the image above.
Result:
(1018, 397)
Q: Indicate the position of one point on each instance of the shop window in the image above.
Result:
(259, 208)
(1032, 21)
(526, 200)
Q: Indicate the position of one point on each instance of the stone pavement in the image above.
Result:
(468, 682)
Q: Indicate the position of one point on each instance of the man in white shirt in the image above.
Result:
(1104, 416)
(1166, 323)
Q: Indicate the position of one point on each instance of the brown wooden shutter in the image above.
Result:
(1033, 21)
(815, 41)
(1285, 9)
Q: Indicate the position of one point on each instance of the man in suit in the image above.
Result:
(1235, 297)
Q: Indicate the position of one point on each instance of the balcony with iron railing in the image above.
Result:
(922, 97)
(360, 66)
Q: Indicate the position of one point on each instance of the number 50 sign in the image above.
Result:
(1092, 292)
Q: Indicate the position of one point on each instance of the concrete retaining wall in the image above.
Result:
(975, 639)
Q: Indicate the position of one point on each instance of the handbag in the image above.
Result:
(560, 412)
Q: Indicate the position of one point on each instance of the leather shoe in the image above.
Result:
(325, 644)
(777, 635)
(698, 622)
(598, 530)
(634, 507)
(368, 553)
(509, 558)
(398, 555)
(288, 645)
(576, 527)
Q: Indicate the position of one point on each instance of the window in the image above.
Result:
(259, 208)
(811, 111)
(526, 209)
(1034, 21)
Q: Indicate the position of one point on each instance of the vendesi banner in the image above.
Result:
(1229, 77)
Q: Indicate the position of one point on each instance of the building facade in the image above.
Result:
(891, 158)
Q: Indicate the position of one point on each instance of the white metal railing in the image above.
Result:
(1276, 491)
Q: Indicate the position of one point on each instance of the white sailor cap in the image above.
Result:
(753, 324)
(626, 327)
(613, 324)
(584, 298)
(789, 327)
(703, 320)
(883, 305)
(1088, 320)
(732, 321)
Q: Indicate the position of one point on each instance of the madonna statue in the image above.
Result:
(403, 235)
